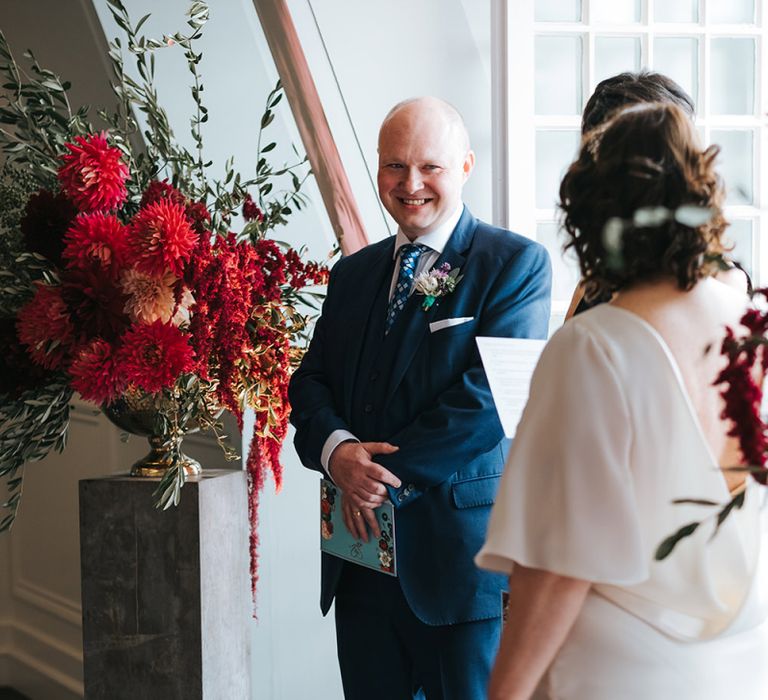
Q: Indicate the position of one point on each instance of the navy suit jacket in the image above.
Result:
(427, 393)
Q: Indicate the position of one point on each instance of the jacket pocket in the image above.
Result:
(478, 491)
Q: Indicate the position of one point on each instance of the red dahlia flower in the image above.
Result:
(161, 239)
(158, 190)
(95, 373)
(153, 356)
(96, 303)
(197, 212)
(93, 174)
(96, 238)
(46, 219)
(45, 327)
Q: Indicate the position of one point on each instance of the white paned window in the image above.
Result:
(714, 49)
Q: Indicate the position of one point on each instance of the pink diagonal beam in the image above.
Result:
(313, 126)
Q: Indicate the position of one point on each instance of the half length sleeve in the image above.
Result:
(566, 502)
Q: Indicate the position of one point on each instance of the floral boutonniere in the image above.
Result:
(438, 282)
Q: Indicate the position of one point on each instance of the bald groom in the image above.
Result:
(392, 403)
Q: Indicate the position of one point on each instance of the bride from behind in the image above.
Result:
(623, 419)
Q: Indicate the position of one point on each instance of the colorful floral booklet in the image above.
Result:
(335, 539)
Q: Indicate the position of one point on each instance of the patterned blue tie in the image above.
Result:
(409, 258)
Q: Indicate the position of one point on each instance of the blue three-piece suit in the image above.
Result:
(425, 392)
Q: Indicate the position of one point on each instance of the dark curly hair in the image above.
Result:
(626, 89)
(646, 157)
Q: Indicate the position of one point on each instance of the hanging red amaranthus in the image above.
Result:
(742, 393)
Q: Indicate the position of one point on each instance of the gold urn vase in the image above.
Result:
(142, 414)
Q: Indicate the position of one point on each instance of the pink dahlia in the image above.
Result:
(161, 238)
(95, 373)
(150, 297)
(93, 173)
(153, 356)
(96, 238)
(45, 327)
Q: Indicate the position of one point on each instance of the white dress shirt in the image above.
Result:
(434, 240)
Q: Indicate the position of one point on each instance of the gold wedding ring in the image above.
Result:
(357, 513)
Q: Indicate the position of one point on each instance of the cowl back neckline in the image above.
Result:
(674, 367)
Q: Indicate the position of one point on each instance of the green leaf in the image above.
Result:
(666, 547)
(140, 23)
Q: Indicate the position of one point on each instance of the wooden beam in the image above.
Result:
(302, 95)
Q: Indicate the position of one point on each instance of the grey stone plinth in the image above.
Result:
(166, 594)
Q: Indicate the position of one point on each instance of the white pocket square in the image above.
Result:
(448, 322)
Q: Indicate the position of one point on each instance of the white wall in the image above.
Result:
(365, 57)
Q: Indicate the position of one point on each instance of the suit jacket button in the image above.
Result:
(374, 375)
(368, 408)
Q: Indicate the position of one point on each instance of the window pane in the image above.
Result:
(731, 11)
(558, 75)
(565, 268)
(558, 11)
(555, 150)
(678, 57)
(732, 82)
(736, 164)
(614, 11)
(676, 10)
(616, 55)
(740, 234)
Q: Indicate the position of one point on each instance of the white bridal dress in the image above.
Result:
(608, 440)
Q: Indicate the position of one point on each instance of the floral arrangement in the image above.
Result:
(436, 283)
(120, 274)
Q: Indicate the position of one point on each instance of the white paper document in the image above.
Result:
(509, 365)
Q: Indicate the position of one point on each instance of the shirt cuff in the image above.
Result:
(332, 442)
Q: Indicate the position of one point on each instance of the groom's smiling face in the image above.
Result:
(424, 161)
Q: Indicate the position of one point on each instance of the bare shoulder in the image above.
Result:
(711, 303)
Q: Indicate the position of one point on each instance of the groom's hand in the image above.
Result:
(353, 470)
(356, 520)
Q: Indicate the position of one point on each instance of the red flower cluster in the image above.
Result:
(303, 274)
(146, 296)
(161, 238)
(241, 337)
(96, 239)
(93, 174)
(742, 394)
(197, 213)
(45, 327)
(96, 373)
(82, 325)
(153, 356)
(251, 212)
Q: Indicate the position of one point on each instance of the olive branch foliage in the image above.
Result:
(36, 121)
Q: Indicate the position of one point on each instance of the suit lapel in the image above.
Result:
(363, 292)
(415, 321)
